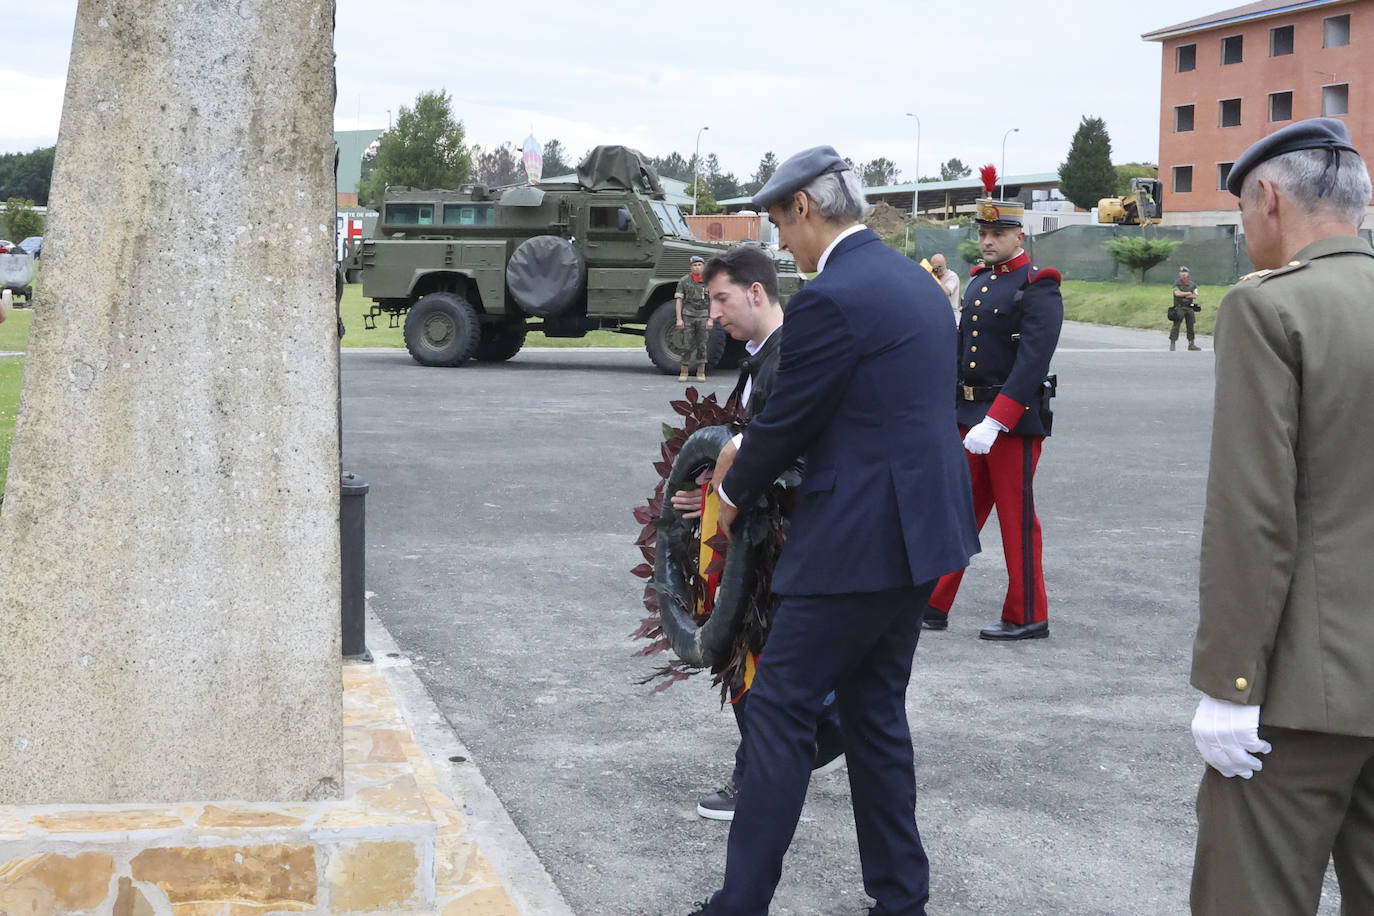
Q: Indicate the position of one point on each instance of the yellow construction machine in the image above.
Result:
(1144, 205)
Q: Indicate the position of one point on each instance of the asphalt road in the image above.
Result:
(1055, 777)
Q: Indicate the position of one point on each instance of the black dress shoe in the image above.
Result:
(1006, 630)
(935, 619)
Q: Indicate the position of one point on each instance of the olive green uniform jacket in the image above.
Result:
(1287, 584)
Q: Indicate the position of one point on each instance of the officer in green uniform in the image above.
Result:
(1184, 309)
(694, 318)
(1284, 655)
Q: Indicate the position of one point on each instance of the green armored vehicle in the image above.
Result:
(470, 271)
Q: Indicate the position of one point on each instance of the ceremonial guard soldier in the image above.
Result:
(1008, 329)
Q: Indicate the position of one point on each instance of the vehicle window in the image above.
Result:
(410, 214)
(671, 218)
(469, 215)
(610, 219)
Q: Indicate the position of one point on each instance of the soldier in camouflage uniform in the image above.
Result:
(694, 317)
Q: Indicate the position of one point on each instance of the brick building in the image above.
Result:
(1234, 76)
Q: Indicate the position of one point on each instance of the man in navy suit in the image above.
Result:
(884, 510)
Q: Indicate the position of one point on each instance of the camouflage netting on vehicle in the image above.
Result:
(619, 168)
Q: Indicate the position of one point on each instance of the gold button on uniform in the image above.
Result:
(975, 317)
(984, 289)
(1241, 683)
(975, 333)
(972, 365)
(977, 301)
(973, 349)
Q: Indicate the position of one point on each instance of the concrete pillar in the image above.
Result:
(169, 610)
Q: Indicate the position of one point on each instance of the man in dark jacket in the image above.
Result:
(743, 288)
(1008, 330)
(883, 510)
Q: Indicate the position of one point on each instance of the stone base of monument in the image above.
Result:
(395, 844)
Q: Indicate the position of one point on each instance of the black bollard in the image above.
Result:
(353, 550)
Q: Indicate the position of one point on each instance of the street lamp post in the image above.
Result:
(916, 194)
(696, 167)
(1003, 175)
(388, 119)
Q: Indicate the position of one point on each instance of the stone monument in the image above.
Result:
(169, 611)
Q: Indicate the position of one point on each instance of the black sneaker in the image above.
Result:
(720, 805)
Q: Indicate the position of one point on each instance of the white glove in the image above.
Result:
(979, 439)
(1227, 737)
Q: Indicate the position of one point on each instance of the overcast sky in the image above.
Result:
(762, 76)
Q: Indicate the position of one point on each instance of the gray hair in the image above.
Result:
(838, 196)
(1303, 175)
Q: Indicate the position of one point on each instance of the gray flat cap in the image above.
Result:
(1316, 133)
(798, 172)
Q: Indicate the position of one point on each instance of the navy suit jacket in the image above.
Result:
(862, 393)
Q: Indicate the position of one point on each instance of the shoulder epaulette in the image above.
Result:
(1044, 273)
(1275, 271)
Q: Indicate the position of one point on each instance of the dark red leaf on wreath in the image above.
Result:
(718, 542)
(681, 407)
(643, 571)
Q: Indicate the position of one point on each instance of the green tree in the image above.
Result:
(672, 165)
(556, 161)
(497, 166)
(27, 175)
(1124, 174)
(767, 166)
(879, 172)
(953, 170)
(1139, 253)
(969, 251)
(424, 150)
(21, 220)
(1087, 176)
(706, 201)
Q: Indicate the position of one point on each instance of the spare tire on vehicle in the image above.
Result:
(545, 275)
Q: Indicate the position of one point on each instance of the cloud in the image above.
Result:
(33, 110)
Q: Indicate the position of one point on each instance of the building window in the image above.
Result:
(1183, 118)
(1336, 31)
(1335, 100)
(1223, 173)
(1280, 106)
(1232, 49)
(1230, 112)
(1183, 179)
(1186, 58)
(1281, 41)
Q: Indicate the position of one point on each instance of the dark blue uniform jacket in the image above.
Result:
(1008, 343)
(862, 393)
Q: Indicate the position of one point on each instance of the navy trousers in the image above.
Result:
(861, 646)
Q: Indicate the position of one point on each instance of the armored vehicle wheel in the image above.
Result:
(500, 342)
(545, 275)
(442, 330)
(663, 340)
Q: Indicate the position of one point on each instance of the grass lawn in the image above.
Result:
(1134, 305)
(354, 307)
(14, 333)
(11, 373)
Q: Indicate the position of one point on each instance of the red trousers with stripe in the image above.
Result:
(1003, 479)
